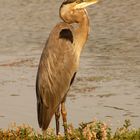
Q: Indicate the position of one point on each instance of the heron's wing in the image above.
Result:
(56, 70)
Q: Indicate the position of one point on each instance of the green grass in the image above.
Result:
(95, 130)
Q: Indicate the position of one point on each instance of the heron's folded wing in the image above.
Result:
(56, 69)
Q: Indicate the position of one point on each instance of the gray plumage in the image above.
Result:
(56, 70)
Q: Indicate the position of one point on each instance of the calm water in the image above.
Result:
(107, 86)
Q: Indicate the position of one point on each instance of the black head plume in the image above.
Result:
(68, 1)
(71, 1)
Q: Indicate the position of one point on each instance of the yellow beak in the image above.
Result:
(85, 3)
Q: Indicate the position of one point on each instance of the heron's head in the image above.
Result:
(73, 10)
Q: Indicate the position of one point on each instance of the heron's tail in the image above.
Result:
(44, 116)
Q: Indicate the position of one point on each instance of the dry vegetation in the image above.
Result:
(95, 130)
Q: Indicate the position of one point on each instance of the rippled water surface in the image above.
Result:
(107, 86)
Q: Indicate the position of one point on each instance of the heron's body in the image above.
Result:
(53, 82)
(58, 65)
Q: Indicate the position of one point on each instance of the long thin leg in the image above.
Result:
(64, 116)
(57, 117)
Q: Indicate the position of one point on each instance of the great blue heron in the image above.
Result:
(60, 60)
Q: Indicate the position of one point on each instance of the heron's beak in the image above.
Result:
(85, 3)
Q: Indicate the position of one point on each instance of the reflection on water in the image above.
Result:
(107, 86)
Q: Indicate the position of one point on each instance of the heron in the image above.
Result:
(59, 62)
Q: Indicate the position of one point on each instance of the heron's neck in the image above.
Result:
(81, 34)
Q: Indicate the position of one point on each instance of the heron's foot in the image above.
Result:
(65, 128)
(44, 133)
(66, 131)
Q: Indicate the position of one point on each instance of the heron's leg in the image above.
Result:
(64, 116)
(57, 116)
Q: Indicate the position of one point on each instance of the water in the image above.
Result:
(107, 86)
